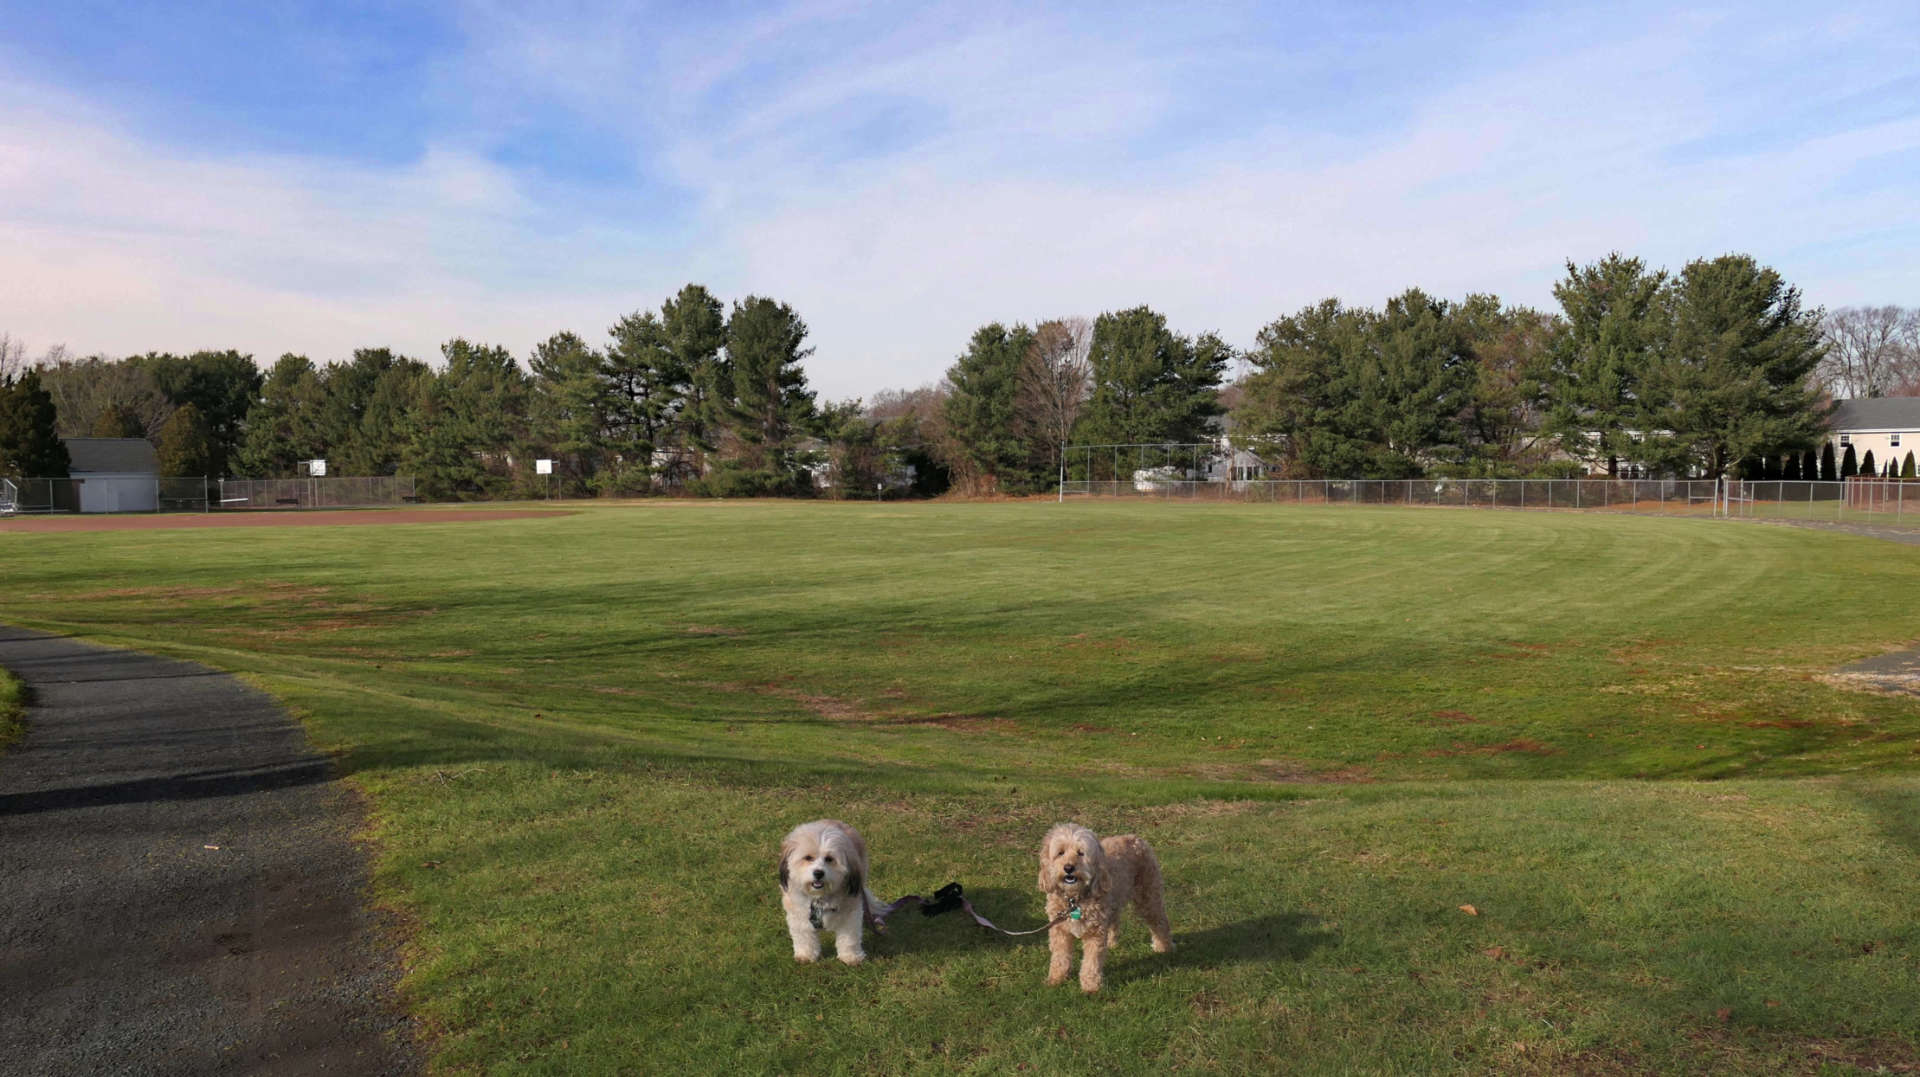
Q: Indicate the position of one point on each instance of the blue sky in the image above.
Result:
(316, 177)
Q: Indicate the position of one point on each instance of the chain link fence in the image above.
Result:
(1860, 501)
(329, 492)
(196, 494)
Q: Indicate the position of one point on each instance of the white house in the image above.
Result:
(1886, 426)
(114, 474)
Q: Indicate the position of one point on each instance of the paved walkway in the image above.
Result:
(179, 892)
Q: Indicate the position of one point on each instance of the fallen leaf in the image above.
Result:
(1723, 1014)
(431, 864)
(1469, 910)
(1495, 952)
(1773, 1002)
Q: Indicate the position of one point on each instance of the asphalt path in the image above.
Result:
(179, 888)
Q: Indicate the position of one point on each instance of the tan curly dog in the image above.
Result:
(1096, 877)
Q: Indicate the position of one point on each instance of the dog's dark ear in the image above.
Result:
(786, 857)
(857, 881)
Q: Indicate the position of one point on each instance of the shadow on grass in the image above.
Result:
(1897, 811)
(1267, 939)
(1015, 910)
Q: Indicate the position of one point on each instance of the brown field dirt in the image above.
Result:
(310, 518)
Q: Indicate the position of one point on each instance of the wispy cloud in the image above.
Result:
(902, 174)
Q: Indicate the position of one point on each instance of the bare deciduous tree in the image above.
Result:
(13, 357)
(1871, 351)
(83, 389)
(1052, 386)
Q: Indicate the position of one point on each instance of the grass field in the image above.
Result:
(13, 704)
(1685, 849)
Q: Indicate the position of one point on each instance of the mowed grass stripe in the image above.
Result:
(583, 735)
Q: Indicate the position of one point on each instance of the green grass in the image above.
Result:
(583, 736)
(13, 709)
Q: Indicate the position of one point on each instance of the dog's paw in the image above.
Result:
(854, 958)
(1055, 979)
(1163, 947)
(806, 958)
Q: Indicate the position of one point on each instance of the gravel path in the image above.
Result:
(179, 891)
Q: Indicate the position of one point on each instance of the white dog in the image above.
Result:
(823, 885)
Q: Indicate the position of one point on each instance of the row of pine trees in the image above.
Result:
(1706, 371)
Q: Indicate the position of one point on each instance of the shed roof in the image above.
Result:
(1877, 413)
(112, 455)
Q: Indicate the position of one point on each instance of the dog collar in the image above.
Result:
(814, 910)
(1073, 908)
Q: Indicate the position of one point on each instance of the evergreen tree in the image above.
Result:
(1305, 390)
(482, 394)
(645, 388)
(569, 408)
(1906, 467)
(1849, 466)
(1809, 466)
(1790, 471)
(437, 450)
(1736, 377)
(1150, 384)
(1866, 465)
(284, 426)
(1511, 349)
(1829, 472)
(1420, 382)
(186, 445)
(30, 445)
(1616, 323)
(695, 326)
(981, 389)
(771, 405)
(117, 421)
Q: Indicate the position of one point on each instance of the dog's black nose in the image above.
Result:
(819, 873)
(1068, 870)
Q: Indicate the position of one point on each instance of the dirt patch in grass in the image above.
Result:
(1519, 744)
(968, 723)
(1896, 672)
(1448, 718)
(1278, 770)
(1779, 1053)
(715, 630)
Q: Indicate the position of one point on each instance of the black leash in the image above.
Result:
(946, 899)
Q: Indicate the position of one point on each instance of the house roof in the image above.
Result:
(112, 455)
(1877, 413)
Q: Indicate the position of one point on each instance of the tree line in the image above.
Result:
(1716, 369)
(1705, 371)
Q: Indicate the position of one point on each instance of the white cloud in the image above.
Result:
(1018, 194)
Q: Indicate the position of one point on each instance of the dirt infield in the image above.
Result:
(314, 518)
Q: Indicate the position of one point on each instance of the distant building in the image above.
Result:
(1885, 426)
(114, 474)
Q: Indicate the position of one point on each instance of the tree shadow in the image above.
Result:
(199, 785)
